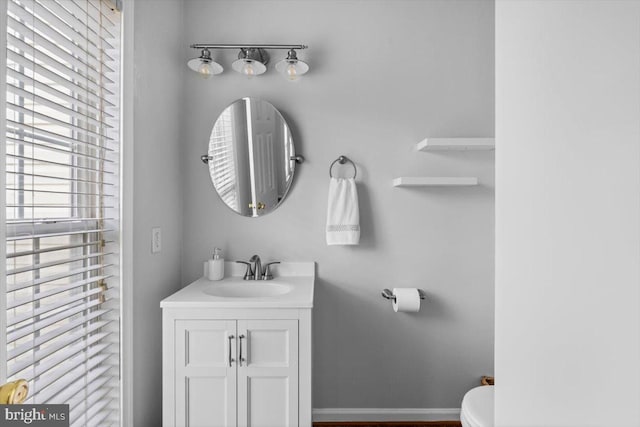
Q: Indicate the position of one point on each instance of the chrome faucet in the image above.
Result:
(257, 267)
(257, 273)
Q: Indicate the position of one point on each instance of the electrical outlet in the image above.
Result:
(156, 240)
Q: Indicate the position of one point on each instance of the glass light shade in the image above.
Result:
(205, 70)
(249, 67)
(205, 67)
(292, 69)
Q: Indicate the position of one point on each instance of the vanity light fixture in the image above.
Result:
(292, 67)
(252, 60)
(204, 65)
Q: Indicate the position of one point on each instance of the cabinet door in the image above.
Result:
(205, 373)
(268, 375)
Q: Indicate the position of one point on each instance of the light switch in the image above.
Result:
(156, 240)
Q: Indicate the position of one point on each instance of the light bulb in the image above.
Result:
(204, 65)
(292, 72)
(250, 62)
(248, 70)
(291, 67)
(205, 70)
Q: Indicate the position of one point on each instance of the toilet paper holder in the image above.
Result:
(386, 293)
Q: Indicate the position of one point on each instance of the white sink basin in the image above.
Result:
(292, 287)
(247, 289)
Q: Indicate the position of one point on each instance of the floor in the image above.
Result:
(391, 424)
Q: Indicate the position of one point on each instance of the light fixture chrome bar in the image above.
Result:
(247, 46)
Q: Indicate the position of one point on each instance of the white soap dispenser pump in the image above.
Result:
(216, 266)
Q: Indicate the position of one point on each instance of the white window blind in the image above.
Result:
(222, 162)
(62, 159)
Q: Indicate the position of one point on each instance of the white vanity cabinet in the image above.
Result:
(240, 364)
(234, 373)
(268, 373)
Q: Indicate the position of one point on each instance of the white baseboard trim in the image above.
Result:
(386, 414)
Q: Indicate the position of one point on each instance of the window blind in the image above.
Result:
(222, 159)
(62, 158)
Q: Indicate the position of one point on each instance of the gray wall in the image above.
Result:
(384, 75)
(568, 210)
(158, 85)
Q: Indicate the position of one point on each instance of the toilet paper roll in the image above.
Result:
(407, 300)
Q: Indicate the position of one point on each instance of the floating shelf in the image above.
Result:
(456, 144)
(434, 181)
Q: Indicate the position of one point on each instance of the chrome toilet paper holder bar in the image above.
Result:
(386, 293)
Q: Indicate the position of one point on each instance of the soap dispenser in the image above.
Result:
(216, 266)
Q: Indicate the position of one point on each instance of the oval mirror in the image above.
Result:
(251, 157)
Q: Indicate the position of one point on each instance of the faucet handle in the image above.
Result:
(267, 271)
(248, 275)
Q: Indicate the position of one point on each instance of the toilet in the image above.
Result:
(477, 407)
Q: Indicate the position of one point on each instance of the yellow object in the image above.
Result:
(485, 380)
(14, 392)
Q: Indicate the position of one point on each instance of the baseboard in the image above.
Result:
(385, 414)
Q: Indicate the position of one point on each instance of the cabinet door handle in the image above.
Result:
(231, 337)
(241, 359)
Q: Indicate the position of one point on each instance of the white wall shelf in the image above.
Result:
(434, 181)
(456, 144)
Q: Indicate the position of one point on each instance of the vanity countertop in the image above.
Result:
(300, 276)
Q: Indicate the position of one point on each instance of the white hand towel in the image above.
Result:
(343, 214)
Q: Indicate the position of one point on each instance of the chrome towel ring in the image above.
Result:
(342, 160)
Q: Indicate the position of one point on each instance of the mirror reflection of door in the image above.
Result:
(251, 151)
(266, 158)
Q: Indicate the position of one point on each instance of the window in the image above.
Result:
(222, 164)
(62, 160)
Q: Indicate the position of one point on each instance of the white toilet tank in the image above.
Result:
(477, 407)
